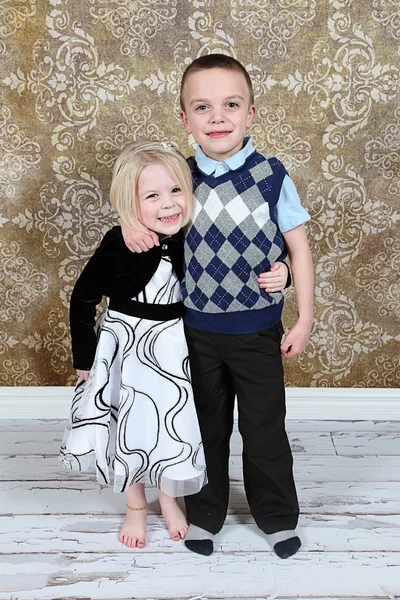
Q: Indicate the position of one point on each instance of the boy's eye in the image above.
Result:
(232, 104)
(201, 107)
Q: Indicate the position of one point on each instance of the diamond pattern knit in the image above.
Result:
(233, 238)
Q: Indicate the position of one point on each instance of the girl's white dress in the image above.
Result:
(136, 413)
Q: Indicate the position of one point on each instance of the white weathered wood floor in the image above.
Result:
(58, 530)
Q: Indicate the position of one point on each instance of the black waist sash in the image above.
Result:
(143, 310)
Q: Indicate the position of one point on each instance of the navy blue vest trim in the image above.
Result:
(246, 321)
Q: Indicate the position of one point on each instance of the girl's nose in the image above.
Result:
(168, 201)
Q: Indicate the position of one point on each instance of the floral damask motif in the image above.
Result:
(71, 82)
(274, 132)
(170, 82)
(273, 23)
(73, 218)
(7, 342)
(387, 373)
(137, 126)
(211, 36)
(13, 15)
(20, 283)
(56, 342)
(18, 153)
(339, 338)
(135, 22)
(82, 108)
(348, 84)
(387, 13)
(345, 215)
(16, 373)
(380, 278)
(384, 152)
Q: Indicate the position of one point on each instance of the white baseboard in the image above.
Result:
(302, 403)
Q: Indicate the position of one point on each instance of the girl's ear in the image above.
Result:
(185, 122)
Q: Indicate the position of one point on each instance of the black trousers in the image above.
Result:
(249, 366)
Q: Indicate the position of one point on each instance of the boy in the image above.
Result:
(247, 213)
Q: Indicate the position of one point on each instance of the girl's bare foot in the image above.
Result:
(133, 529)
(176, 520)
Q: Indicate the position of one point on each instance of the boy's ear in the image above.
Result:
(185, 122)
(250, 116)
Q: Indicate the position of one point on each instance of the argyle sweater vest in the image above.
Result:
(231, 239)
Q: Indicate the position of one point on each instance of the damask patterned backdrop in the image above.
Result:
(82, 79)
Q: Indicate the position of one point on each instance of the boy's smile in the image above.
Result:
(217, 111)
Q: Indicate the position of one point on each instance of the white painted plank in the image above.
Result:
(48, 443)
(306, 468)
(224, 575)
(362, 443)
(302, 442)
(99, 533)
(80, 497)
(32, 424)
(292, 425)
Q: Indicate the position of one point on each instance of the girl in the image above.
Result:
(133, 407)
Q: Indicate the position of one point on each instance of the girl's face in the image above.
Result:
(161, 201)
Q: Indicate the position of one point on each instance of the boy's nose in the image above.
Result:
(217, 116)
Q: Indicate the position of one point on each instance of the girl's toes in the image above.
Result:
(141, 544)
(183, 532)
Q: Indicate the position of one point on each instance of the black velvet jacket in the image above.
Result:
(116, 272)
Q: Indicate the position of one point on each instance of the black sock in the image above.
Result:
(284, 543)
(199, 540)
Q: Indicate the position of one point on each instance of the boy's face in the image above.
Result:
(217, 111)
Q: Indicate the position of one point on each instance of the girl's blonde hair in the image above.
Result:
(127, 169)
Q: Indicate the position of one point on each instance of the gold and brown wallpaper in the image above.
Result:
(79, 80)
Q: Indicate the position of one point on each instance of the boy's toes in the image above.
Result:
(183, 532)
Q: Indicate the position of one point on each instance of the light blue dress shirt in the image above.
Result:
(288, 211)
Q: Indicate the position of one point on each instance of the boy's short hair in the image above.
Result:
(126, 172)
(215, 61)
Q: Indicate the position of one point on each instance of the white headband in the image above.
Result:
(155, 146)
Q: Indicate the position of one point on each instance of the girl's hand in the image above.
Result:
(275, 279)
(138, 241)
(83, 374)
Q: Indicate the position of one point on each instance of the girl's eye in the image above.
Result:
(176, 190)
(151, 196)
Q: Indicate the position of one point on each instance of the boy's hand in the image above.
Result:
(83, 374)
(295, 341)
(138, 241)
(275, 279)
